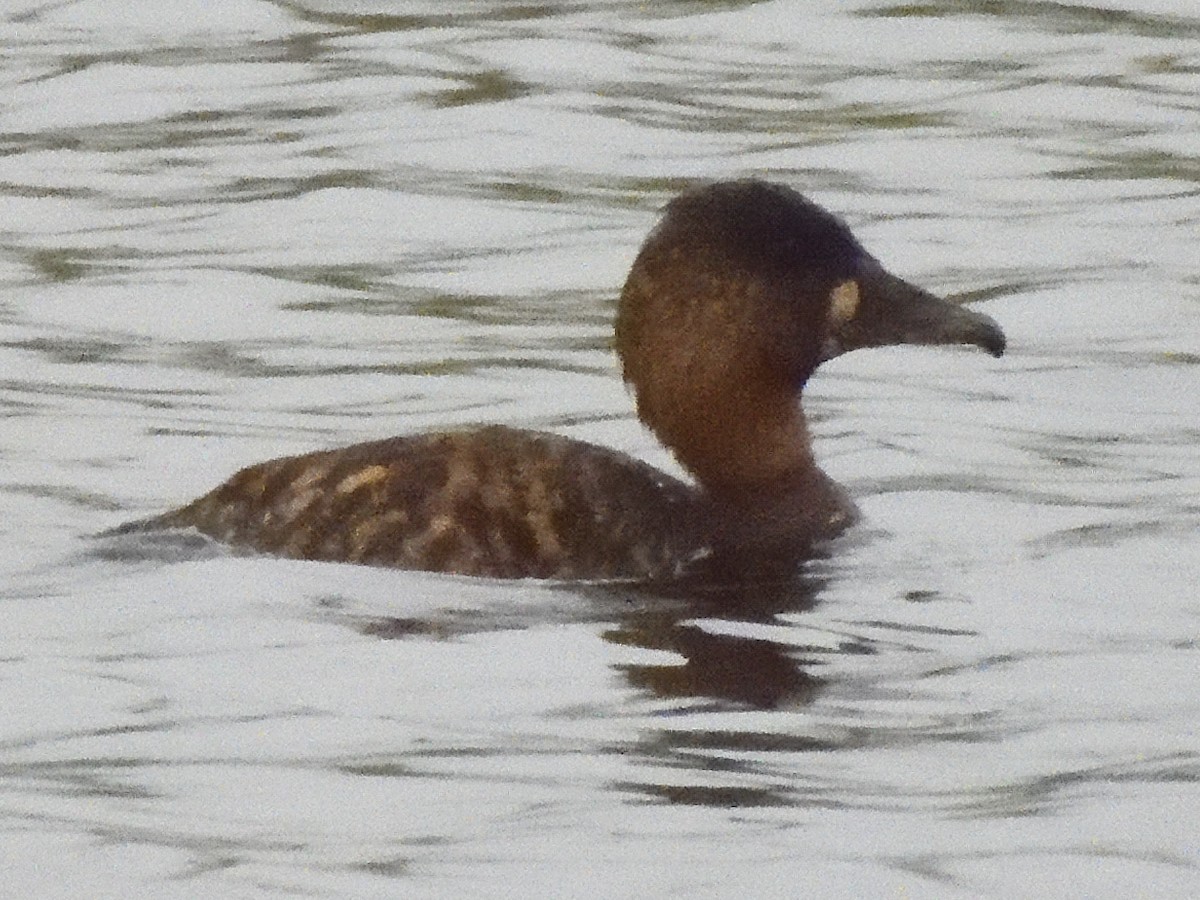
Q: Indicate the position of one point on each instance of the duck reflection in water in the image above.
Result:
(725, 671)
(737, 295)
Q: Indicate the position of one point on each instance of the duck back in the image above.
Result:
(495, 501)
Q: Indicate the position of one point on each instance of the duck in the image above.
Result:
(741, 290)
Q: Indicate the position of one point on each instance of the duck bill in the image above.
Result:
(889, 310)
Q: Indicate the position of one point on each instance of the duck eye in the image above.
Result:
(843, 303)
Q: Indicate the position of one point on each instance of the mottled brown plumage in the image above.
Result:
(492, 501)
(735, 298)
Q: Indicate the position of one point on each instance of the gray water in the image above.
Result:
(238, 230)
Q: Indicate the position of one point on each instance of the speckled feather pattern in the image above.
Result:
(493, 501)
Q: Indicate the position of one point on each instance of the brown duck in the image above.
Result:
(735, 298)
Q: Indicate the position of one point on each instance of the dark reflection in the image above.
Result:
(432, 16)
(1132, 165)
(697, 795)
(732, 671)
(490, 86)
(720, 673)
(743, 671)
(1067, 18)
(727, 673)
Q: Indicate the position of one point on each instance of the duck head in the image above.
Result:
(737, 295)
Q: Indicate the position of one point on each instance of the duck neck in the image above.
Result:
(739, 441)
(750, 452)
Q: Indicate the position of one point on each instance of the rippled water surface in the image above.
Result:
(240, 230)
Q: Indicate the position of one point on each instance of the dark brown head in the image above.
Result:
(735, 298)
